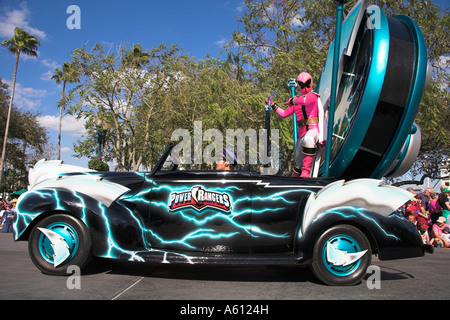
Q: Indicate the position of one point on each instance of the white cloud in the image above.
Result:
(27, 98)
(47, 76)
(240, 8)
(52, 64)
(444, 63)
(221, 42)
(49, 63)
(70, 124)
(12, 18)
(298, 21)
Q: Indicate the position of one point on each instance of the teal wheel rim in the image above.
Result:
(67, 232)
(344, 243)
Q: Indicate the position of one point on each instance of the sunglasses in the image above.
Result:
(304, 85)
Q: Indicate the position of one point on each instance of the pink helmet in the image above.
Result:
(305, 82)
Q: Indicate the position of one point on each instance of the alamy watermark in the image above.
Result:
(74, 280)
(74, 20)
(374, 279)
(249, 147)
(374, 17)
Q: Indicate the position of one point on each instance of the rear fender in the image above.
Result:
(109, 226)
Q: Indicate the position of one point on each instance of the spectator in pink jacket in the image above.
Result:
(438, 232)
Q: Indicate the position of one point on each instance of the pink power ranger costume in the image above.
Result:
(311, 130)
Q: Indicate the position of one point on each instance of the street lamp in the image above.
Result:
(101, 128)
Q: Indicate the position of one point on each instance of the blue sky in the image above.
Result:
(199, 26)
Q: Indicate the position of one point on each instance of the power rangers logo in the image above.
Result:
(199, 198)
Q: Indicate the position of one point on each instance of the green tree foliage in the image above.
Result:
(128, 94)
(98, 164)
(26, 140)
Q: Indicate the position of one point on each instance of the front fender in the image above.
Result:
(391, 237)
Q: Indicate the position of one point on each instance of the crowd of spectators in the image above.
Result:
(430, 213)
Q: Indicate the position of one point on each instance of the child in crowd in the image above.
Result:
(446, 233)
(423, 230)
(7, 219)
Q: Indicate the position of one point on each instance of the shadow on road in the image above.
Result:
(203, 272)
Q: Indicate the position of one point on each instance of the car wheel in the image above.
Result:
(341, 256)
(59, 241)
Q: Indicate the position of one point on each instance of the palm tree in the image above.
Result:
(67, 74)
(135, 57)
(24, 42)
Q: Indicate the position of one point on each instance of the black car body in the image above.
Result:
(212, 217)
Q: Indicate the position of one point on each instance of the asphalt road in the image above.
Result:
(410, 279)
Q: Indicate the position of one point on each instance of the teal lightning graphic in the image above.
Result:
(202, 218)
(148, 211)
(198, 223)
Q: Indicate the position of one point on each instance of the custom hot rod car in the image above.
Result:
(211, 217)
